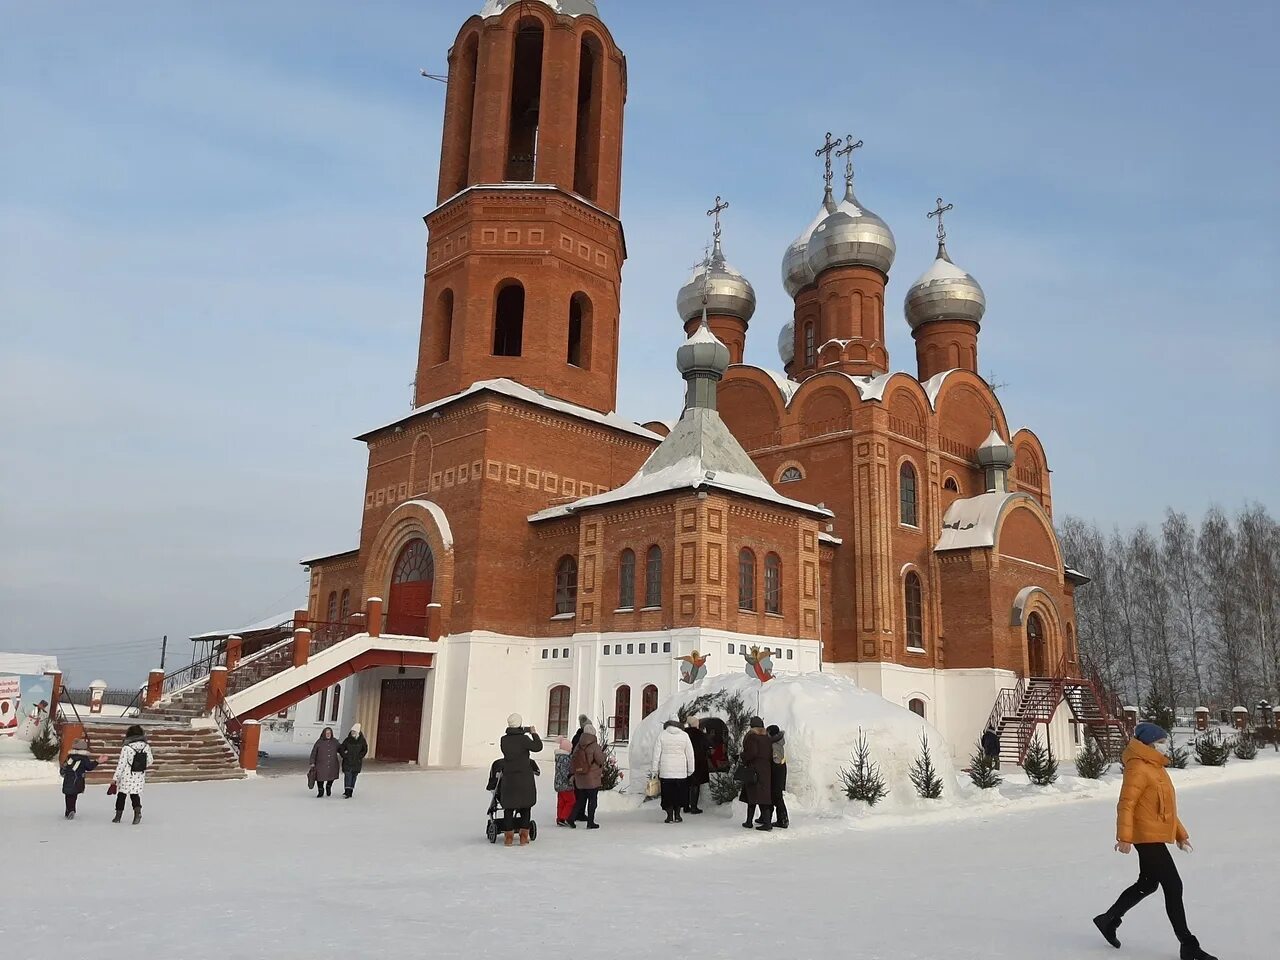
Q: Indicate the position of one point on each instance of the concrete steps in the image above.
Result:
(182, 753)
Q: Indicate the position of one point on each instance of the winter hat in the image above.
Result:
(584, 720)
(80, 746)
(355, 729)
(756, 722)
(564, 746)
(692, 720)
(1149, 733)
(515, 720)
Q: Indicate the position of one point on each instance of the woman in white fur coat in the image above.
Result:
(673, 763)
(129, 779)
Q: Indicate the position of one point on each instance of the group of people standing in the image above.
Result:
(127, 782)
(330, 753)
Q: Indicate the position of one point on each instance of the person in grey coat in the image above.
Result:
(324, 761)
(518, 791)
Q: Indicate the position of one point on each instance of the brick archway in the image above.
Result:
(1033, 601)
(413, 520)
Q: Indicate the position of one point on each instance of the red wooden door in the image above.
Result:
(407, 608)
(400, 719)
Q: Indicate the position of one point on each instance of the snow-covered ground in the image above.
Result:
(261, 868)
(17, 765)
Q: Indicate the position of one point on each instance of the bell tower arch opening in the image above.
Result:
(586, 154)
(526, 93)
(508, 320)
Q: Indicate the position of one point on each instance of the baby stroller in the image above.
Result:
(496, 813)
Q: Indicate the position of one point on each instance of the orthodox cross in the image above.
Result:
(938, 212)
(995, 386)
(847, 152)
(828, 148)
(715, 211)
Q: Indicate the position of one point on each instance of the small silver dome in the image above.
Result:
(851, 236)
(944, 292)
(994, 452)
(728, 292)
(702, 354)
(568, 8)
(796, 274)
(787, 342)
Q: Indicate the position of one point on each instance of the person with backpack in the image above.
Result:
(991, 744)
(131, 772)
(353, 750)
(587, 764)
(1147, 819)
(673, 765)
(324, 763)
(78, 763)
(754, 768)
(566, 796)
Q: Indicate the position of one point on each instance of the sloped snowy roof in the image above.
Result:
(567, 8)
(27, 663)
(270, 623)
(308, 561)
(972, 522)
(519, 391)
(700, 452)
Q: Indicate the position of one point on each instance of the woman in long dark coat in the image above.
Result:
(324, 761)
(701, 762)
(518, 791)
(757, 789)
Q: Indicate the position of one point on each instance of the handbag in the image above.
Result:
(653, 788)
(311, 777)
(113, 789)
(746, 775)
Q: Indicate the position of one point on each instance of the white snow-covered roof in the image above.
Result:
(316, 558)
(699, 453)
(27, 663)
(933, 385)
(941, 269)
(567, 8)
(270, 623)
(972, 522)
(831, 538)
(519, 391)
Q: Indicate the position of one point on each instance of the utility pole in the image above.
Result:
(164, 643)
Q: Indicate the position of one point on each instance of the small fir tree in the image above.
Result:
(1178, 755)
(610, 773)
(1245, 748)
(982, 769)
(1091, 762)
(1212, 750)
(45, 744)
(862, 779)
(1040, 766)
(1158, 710)
(924, 774)
(724, 789)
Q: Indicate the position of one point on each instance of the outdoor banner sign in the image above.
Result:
(24, 704)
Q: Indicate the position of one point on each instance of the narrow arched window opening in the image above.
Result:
(462, 96)
(331, 610)
(442, 328)
(916, 706)
(907, 506)
(627, 580)
(622, 714)
(337, 703)
(653, 577)
(790, 475)
(746, 580)
(773, 584)
(526, 91)
(344, 607)
(810, 345)
(321, 704)
(579, 346)
(648, 700)
(586, 155)
(558, 711)
(913, 595)
(951, 485)
(508, 321)
(566, 585)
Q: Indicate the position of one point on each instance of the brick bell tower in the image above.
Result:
(525, 248)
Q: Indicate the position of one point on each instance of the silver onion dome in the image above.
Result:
(702, 354)
(851, 236)
(995, 452)
(787, 342)
(796, 274)
(728, 292)
(944, 292)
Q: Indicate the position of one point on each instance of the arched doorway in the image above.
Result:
(1037, 658)
(411, 581)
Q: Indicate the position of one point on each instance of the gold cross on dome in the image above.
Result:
(828, 148)
(847, 152)
(938, 212)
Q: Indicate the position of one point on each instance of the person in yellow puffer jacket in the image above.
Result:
(1147, 818)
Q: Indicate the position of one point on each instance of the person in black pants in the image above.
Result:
(778, 776)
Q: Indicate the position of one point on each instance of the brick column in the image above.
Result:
(250, 734)
(155, 688)
(1239, 717)
(300, 619)
(373, 611)
(433, 621)
(217, 687)
(301, 646)
(1202, 718)
(71, 732)
(96, 690)
(357, 624)
(1130, 718)
(234, 646)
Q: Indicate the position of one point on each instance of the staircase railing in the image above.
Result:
(188, 676)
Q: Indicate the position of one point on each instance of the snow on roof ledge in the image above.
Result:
(270, 623)
(972, 522)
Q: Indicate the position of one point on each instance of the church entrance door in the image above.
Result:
(400, 719)
(411, 581)
(1037, 659)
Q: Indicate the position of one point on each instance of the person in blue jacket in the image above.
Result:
(78, 763)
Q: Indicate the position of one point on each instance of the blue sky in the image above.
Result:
(211, 250)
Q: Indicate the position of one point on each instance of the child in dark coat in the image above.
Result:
(78, 763)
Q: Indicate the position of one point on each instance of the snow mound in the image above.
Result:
(821, 715)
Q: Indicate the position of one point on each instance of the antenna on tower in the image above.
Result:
(442, 78)
(995, 385)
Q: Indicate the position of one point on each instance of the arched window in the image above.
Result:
(579, 349)
(323, 701)
(950, 484)
(622, 714)
(331, 612)
(810, 345)
(653, 577)
(913, 595)
(586, 157)
(344, 607)
(746, 580)
(773, 584)
(567, 585)
(462, 85)
(916, 706)
(442, 328)
(508, 321)
(412, 580)
(627, 580)
(907, 513)
(558, 711)
(337, 701)
(526, 89)
(415, 563)
(648, 700)
(790, 475)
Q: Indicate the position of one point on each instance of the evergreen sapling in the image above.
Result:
(862, 780)
(1091, 762)
(1158, 710)
(1040, 766)
(1246, 748)
(1212, 750)
(924, 774)
(982, 769)
(1178, 755)
(44, 746)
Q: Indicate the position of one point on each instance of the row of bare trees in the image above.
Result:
(1189, 614)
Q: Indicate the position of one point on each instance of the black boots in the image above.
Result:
(1191, 951)
(671, 817)
(320, 792)
(679, 819)
(694, 810)
(137, 816)
(116, 818)
(1107, 926)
